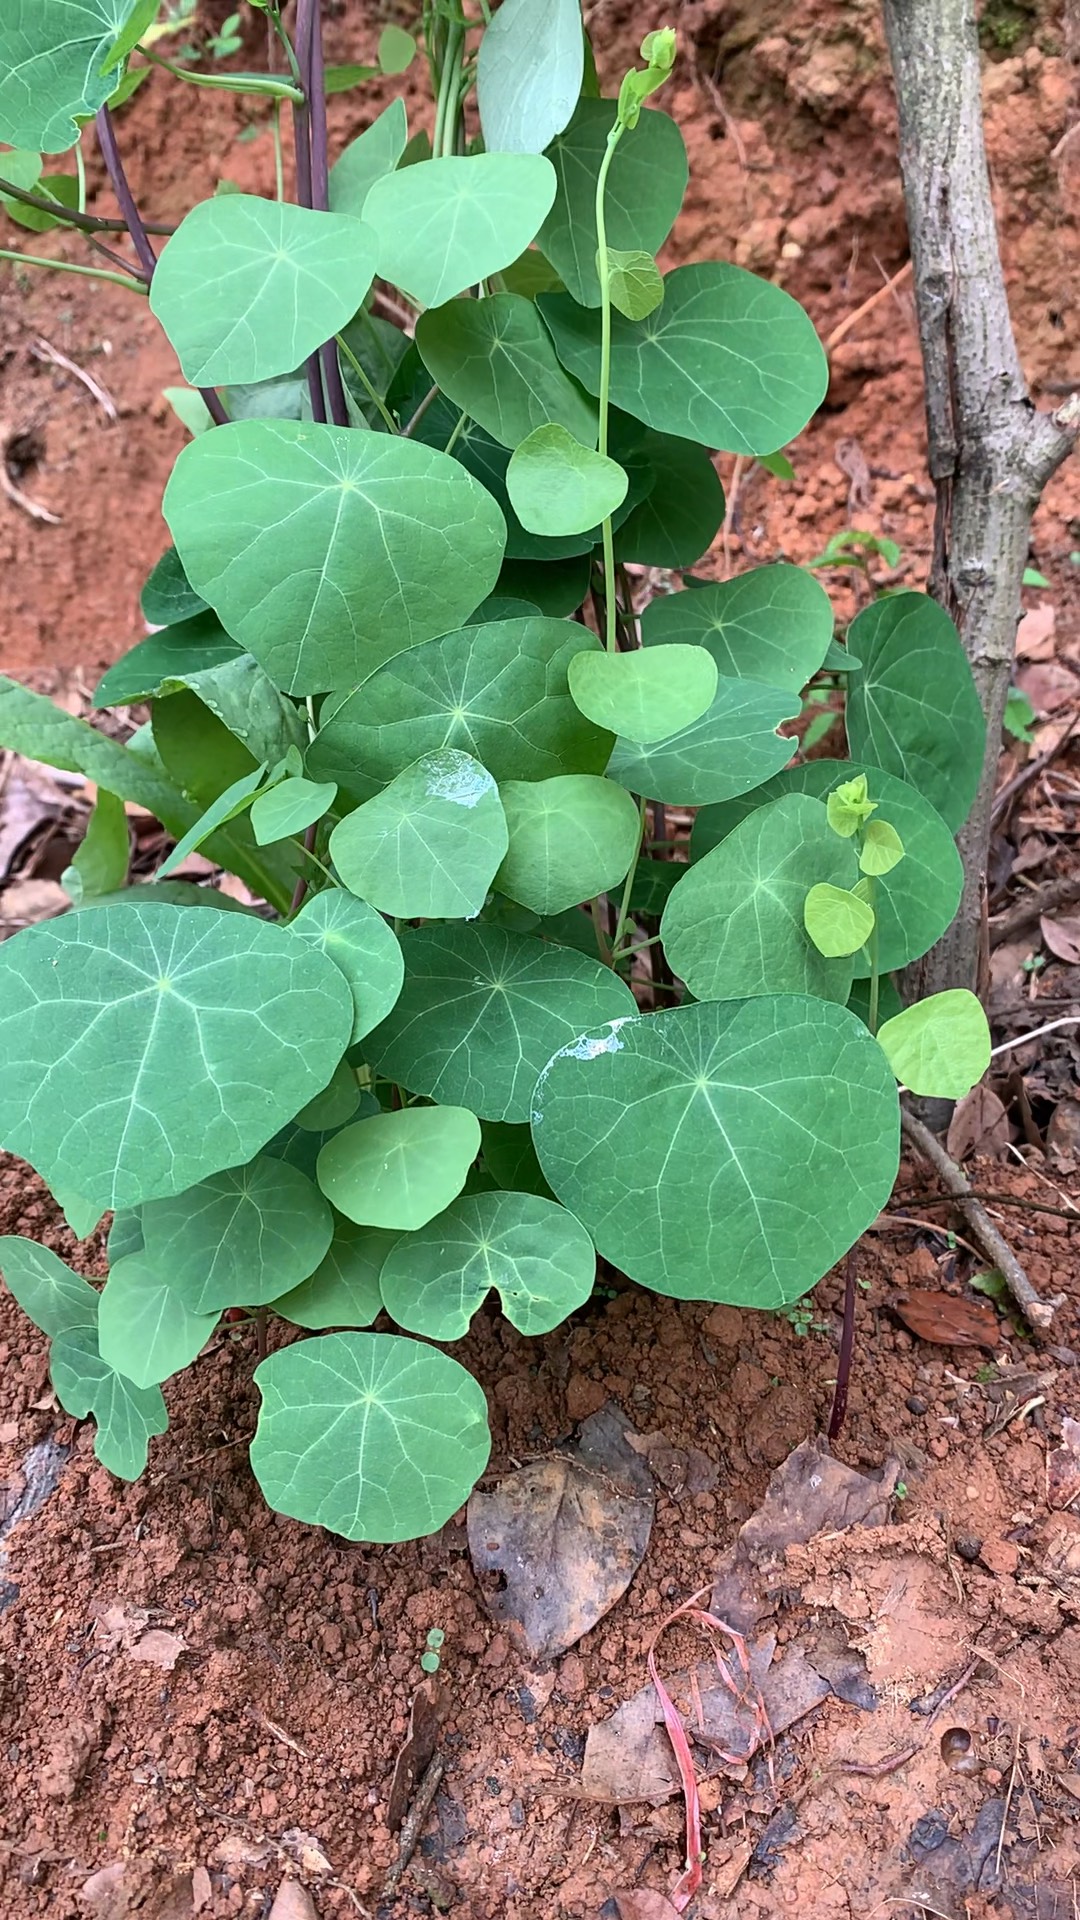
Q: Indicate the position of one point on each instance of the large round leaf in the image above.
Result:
(570, 838)
(772, 624)
(537, 1255)
(482, 1010)
(442, 225)
(145, 1329)
(917, 900)
(733, 747)
(497, 691)
(247, 288)
(429, 845)
(361, 946)
(779, 1125)
(343, 1291)
(240, 1238)
(398, 1170)
(324, 550)
(644, 190)
(733, 925)
(372, 1435)
(912, 707)
(528, 73)
(728, 360)
(146, 1046)
(494, 359)
(645, 696)
(51, 57)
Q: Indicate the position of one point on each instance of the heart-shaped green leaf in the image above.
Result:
(168, 595)
(497, 691)
(290, 807)
(773, 624)
(644, 190)
(240, 1238)
(940, 1047)
(494, 359)
(428, 847)
(247, 288)
(145, 1330)
(442, 225)
(916, 901)
(372, 154)
(570, 838)
(733, 747)
(147, 1046)
(912, 707)
(398, 1170)
(780, 1130)
(325, 551)
(343, 1291)
(361, 946)
(635, 283)
(728, 360)
(483, 1009)
(372, 1435)
(538, 1257)
(644, 696)
(52, 54)
(733, 925)
(528, 73)
(838, 921)
(559, 487)
(882, 848)
(127, 1416)
(55, 1299)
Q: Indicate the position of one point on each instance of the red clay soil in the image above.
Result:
(258, 1748)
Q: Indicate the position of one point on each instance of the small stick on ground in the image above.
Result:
(1056, 893)
(868, 306)
(1040, 1313)
(43, 349)
(413, 1825)
(1005, 801)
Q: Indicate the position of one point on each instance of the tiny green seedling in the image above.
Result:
(431, 1659)
(445, 414)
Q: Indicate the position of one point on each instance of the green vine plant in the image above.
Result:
(500, 1013)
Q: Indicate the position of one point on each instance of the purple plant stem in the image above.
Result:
(320, 199)
(305, 26)
(847, 1349)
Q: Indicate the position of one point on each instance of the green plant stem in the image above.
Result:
(448, 104)
(376, 398)
(264, 83)
(68, 266)
(603, 945)
(875, 970)
(628, 887)
(279, 161)
(408, 430)
(604, 272)
(80, 175)
(639, 946)
(456, 435)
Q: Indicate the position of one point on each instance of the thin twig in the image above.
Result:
(1011, 791)
(1056, 893)
(834, 338)
(992, 1199)
(408, 431)
(42, 349)
(1039, 1312)
(85, 222)
(410, 1832)
(1067, 1020)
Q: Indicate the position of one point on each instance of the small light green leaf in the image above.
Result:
(343, 1291)
(442, 225)
(729, 360)
(773, 624)
(336, 1104)
(51, 58)
(127, 1416)
(683, 512)
(22, 167)
(483, 1010)
(1019, 716)
(528, 73)
(427, 847)
(849, 806)
(325, 550)
(146, 12)
(345, 74)
(940, 1047)
(55, 1299)
(372, 1435)
(882, 848)
(497, 690)
(247, 288)
(734, 746)
(168, 596)
(146, 1046)
(777, 464)
(559, 487)
(837, 920)
(240, 1238)
(290, 807)
(912, 706)
(494, 359)
(372, 154)
(733, 925)
(60, 187)
(644, 696)
(226, 807)
(537, 1255)
(398, 1170)
(190, 409)
(636, 284)
(145, 1331)
(741, 1093)
(397, 50)
(645, 186)
(570, 838)
(100, 864)
(361, 945)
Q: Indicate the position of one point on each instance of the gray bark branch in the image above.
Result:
(990, 452)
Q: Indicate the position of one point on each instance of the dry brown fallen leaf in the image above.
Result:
(126, 1629)
(425, 1718)
(293, 1902)
(1035, 634)
(979, 1125)
(947, 1320)
(1063, 1467)
(1062, 936)
(644, 1904)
